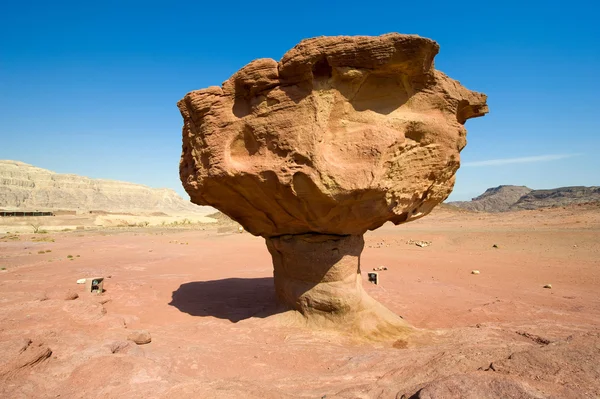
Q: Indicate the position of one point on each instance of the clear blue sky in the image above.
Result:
(90, 87)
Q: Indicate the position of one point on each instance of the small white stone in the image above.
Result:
(474, 271)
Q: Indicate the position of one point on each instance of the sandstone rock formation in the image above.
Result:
(27, 187)
(340, 136)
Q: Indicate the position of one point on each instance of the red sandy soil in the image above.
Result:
(207, 299)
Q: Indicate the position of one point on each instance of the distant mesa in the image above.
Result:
(515, 198)
(26, 187)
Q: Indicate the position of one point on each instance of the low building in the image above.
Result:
(12, 213)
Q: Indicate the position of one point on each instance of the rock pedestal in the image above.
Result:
(319, 276)
(318, 273)
(340, 136)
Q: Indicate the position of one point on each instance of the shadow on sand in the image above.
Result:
(234, 299)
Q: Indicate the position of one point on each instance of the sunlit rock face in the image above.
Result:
(340, 136)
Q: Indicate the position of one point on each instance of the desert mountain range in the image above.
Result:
(23, 186)
(515, 198)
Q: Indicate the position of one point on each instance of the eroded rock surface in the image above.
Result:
(319, 276)
(340, 136)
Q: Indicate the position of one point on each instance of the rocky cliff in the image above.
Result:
(496, 199)
(24, 186)
(557, 197)
(515, 198)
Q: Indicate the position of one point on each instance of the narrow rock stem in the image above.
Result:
(319, 276)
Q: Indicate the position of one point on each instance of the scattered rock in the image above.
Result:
(380, 268)
(379, 245)
(494, 246)
(535, 338)
(474, 271)
(421, 244)
(140, 337)
(548, 286)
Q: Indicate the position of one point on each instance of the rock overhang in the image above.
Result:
(340, 136)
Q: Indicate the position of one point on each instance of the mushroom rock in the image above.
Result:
(340, 136)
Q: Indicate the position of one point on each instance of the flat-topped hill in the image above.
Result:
(24, 186)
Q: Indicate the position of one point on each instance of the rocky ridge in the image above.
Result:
(496, 199)
(557, 197)
(23, 186)
(514, 198)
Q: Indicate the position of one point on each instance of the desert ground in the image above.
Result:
(205, 295)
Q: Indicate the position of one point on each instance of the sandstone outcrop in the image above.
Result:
(340, 136)
(23, 186)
